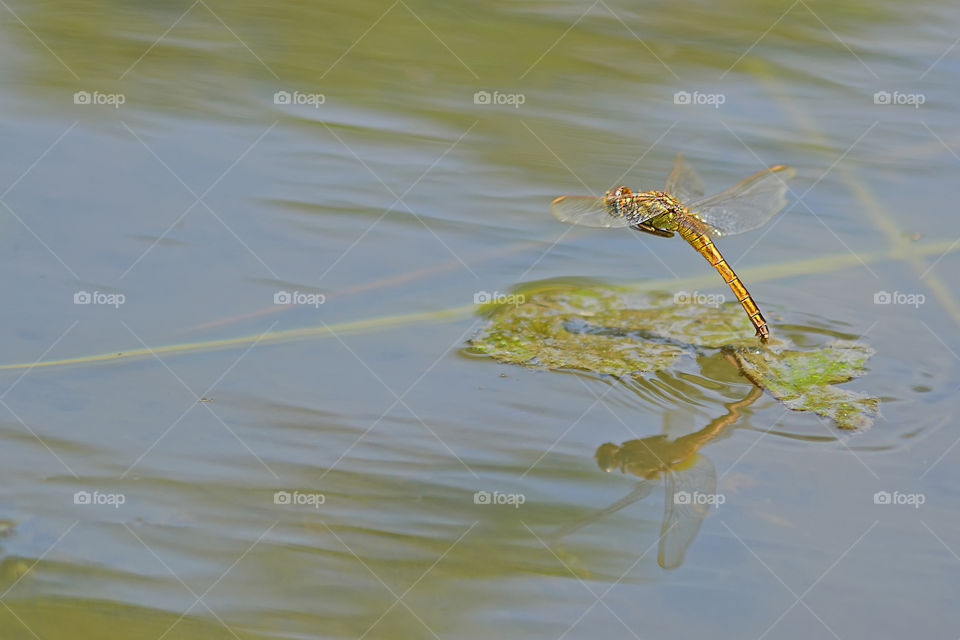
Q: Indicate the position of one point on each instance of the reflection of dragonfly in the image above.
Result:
(681, 208)
(686, 473)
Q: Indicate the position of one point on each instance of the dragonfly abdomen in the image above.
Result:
(700, 241)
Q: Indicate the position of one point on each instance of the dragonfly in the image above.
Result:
(682, 208)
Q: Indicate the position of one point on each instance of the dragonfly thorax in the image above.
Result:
(656, 208)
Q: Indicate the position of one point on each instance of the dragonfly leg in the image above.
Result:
(649, 229)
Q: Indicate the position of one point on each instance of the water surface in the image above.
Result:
(399, 198)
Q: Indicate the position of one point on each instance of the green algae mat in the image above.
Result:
(607, 330)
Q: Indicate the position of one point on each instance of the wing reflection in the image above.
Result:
(690, 479)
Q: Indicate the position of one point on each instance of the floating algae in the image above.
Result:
(804, 380)
(601, 329)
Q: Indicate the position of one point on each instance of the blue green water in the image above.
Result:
(392, 191)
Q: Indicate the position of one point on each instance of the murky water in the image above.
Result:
(193, 458)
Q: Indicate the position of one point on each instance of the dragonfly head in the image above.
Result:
(615, 194)
(615, 198)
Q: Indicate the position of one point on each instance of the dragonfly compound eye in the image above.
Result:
(615, 197)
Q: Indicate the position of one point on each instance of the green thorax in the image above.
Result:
(665, 210)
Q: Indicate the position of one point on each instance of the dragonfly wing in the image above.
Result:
(641, 491)
(683, 182)
(682, 515)
(747, 205)
(587, 211)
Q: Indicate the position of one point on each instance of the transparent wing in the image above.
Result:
(682, 515)
(684, 183)
(747, 205)
(641, 491)
(586, 211)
